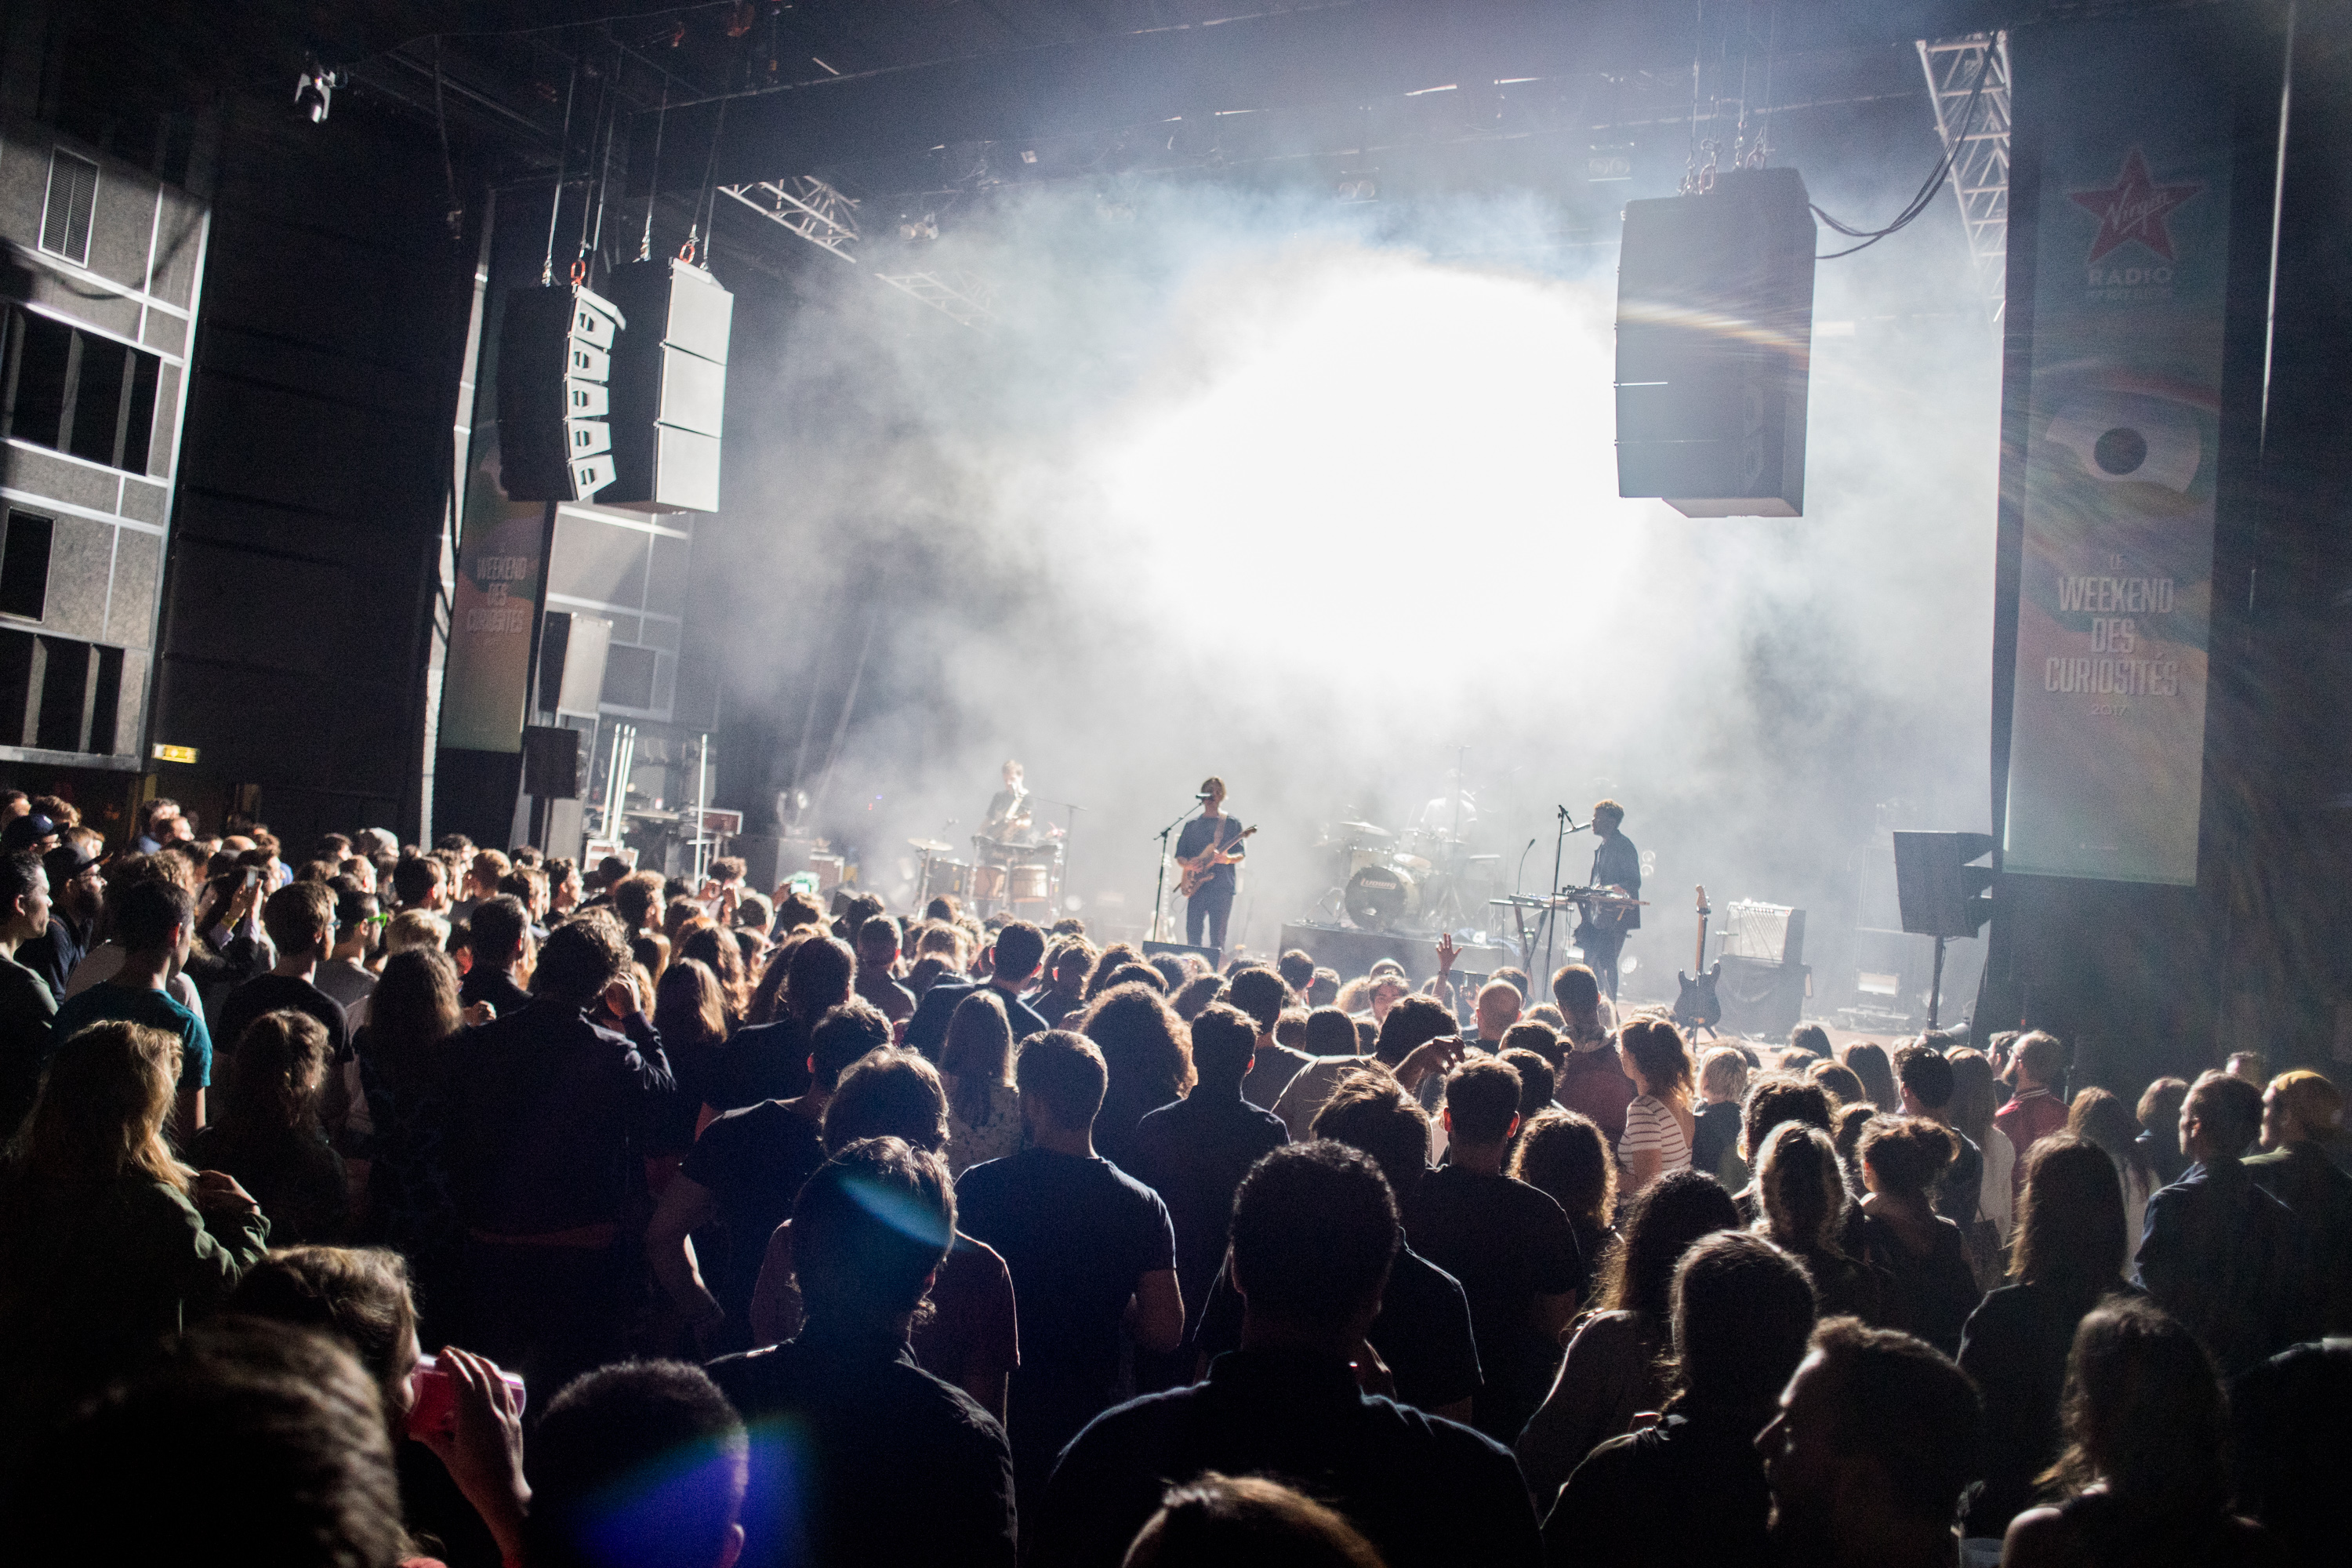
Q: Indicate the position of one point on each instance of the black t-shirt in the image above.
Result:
(483, 983)
(1686, 1490)
(1425, 1492)
(1075, 1234)
(1203, 833)
(1717, 1129)
(1423, 1333)
(765, 1061)
(1507, 1244)
(1195, 1154)
(278, 992)
(754, 1162)
(858, 1456)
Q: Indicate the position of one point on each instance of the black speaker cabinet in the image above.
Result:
(1715, 313)
(669, 387)
(555, 365)
(1763, 1000)
(551, 761)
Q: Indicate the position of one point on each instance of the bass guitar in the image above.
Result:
(1200, 867)
(1698, 1007)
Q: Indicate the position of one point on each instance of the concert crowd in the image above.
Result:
(367, 1205)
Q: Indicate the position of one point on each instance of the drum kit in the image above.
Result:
(1417, 880)
(1019, 878)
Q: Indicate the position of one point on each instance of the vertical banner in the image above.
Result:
(499, 566)
(2131, 118)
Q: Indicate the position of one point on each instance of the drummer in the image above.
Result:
(1009, 820)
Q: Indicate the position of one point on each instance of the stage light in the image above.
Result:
(314, 92)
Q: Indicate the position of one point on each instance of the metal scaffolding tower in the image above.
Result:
(1981, 159)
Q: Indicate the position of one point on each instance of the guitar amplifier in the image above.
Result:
(1766, 933)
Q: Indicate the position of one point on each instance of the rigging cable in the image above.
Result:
(1927, 194)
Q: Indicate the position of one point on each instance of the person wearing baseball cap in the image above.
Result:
(31, 832)
(77, 894)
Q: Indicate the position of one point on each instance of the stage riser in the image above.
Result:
(1353, 952)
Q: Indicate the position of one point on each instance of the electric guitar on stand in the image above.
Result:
(1200, 867)
(1698, 1007)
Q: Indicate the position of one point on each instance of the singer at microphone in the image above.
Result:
(1210, 840)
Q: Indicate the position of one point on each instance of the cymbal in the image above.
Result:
(929, 846)
(1367, 830)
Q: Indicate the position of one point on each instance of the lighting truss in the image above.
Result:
(807, 206)
(965, 297)
(1981, 159)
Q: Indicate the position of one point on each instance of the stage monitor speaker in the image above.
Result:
(669, 387)
(550, 763)
(1715, 321)
(555, 366)
(1760, 999)
(572, 650)
(1941, 891)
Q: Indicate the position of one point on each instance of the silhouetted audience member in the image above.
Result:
(2302, 1114)
(769, 1060)
(1412, 1024)
(1260, 996)
(1924, 1257)
(744, 1172)
(1714, 1143)
(552, 1111)
(1804, 1210)
(239, 1441)
(1510, 1246)
(268, 1136)
(976, 1062)
(970, 1336)
(2143, 1476)
(1611, 1370)
(1771, 1100)
(301, 919)
(1020, 952)
(2291, 1424)
(1082, 1239)
(1423, 1334)
(873, 1459)
(1561, 1153)
(1146, 1060)
(1690, 1489)
(107, 1242)
(1313, 1232)
(1924, 1085)
(1874, 1441)
(1246, 1522)
(2037, 1064)
(2070, 1256)
(2158, 1114)
(2222, 1255)
(1592, 1079)
(1194, 1153)
(2098, 1117)
(499, 928)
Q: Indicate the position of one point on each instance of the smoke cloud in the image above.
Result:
(1322, 499)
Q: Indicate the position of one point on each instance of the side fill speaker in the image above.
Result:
(669, 387)
(555, 366)
(1715, 325)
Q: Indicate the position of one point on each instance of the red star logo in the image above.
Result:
(2133, 208)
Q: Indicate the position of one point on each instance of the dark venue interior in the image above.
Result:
(605, 606)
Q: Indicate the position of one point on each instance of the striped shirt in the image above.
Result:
(1652, 1127)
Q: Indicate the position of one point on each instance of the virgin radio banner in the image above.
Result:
(2130, 254)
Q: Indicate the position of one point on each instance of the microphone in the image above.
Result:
(1205, 795)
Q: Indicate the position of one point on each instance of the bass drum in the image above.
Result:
(1379, 897)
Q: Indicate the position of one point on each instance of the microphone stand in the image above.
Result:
(1069, 831)
(1551, 900)
(1160, 892)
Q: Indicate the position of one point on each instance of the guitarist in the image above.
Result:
(1209, 841)
(1617, 866)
